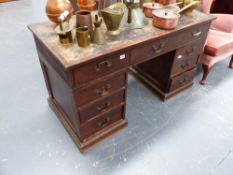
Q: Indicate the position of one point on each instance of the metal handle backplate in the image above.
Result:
(158, 49)
(186, 64)
(104, 107)
(103, 90)
(183, 81)
(189, 51)
(104, 122)
(98, 66)
(196, 34)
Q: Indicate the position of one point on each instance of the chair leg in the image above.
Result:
(231, 63)
(206, 71)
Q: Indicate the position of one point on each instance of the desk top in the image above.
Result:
(71, 55)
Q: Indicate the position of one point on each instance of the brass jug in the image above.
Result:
(98, 35)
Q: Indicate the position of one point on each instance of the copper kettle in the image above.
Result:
(54, 8)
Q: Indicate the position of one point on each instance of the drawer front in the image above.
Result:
(101, 106)
(103, 88)
(182, 80)
(101, 67)
(184, 65)
(193, 49)
(167, 44)
(101, 122)
(149, 51)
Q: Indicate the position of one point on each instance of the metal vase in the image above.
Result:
(98, 35)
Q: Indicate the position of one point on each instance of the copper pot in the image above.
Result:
(83, 18)
(165, 19)
(149, 7)
(86, 4)
(54, 8)
(166, 2)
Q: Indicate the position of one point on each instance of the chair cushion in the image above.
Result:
(224, 23)
(218, 43)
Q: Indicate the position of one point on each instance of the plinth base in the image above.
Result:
(148, 81)
(92, 140)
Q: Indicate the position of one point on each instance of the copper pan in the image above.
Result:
(167, 19)
(149, 7)
(166, 2)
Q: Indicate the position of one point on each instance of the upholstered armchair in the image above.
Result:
(219, 44)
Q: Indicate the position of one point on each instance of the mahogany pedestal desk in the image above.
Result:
(88, 87)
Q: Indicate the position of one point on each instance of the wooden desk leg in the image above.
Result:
(231, 63)
(206, 71)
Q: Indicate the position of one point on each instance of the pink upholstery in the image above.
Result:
(224, 22)
(208, 60)
(218, 43)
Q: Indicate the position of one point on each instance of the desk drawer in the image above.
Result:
(182, 80)
(101, 67)
(187, 57)
(102, 88)
(149, 51)
(101, 106)
(193, 49)
(101, 122)
(163, 45)
(184, 65)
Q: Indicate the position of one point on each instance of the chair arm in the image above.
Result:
(224, 23)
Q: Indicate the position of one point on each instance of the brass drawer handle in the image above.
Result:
(190, 51)
(104, 107)
(104, 90)
(158, 49)
(104, 122)
(183, 81)
(196, 34)
(98, 66)
(186, 64)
